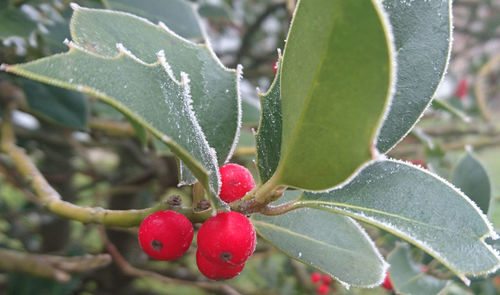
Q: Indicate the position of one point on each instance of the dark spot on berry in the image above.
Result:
(156, 245)
(225, 256)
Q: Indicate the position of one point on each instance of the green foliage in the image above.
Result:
(341, 95)
(408, 277)
(422, 37)
(15, 23)
(329, 119)
(68, 108)
(344, 252)
(471, 177)
(418, 207)
(268, 137)
(178, 15)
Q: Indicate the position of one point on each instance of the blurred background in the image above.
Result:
(89, 154)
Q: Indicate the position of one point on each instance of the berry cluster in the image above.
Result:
(225, 241)
(323, 281)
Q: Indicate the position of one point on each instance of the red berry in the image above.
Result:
(424, 268)
(419, 162)
(462, 89)
(214, 271)
(315, 277)
(165, 235)
(236, 182)
(387, 282)
(326, 279)
(275, 66)
(323, 289)
(227, 239)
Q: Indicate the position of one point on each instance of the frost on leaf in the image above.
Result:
(419, 207)
(145, 92)
(213, 88)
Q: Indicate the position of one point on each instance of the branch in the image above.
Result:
(49, 266)
(130, 270)
(112, 128)
(52, 201)
(247, 38)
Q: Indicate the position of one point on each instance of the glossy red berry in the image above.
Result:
(165, 235)
(323, 289)
(227, 239)
(315, 277)
(462, 89)
(236, 182)
(275, 66)
(326, 279)
(214, 271)
(387, 284)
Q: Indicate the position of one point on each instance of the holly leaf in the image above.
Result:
(331, 112)
(61, 106)
(408, 277)
(331, 243)
(419, 207)
(471, 177)
(178, 15)
(213, 88)
(14, 23)
(147, 93)
(422, 36)
(268, 136)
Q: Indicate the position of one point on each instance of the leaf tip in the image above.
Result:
(4, 67)
(74, 6)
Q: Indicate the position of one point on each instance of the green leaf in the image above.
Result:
(471, 177)
(407, 276)
(422, 36)
(251, 112)
(214, 88)
(268, 137)
(335, 85)
(147, 93)
(179, 15)
(13, 22)
(331, 243)
(439, 104)
(68, 108)
(219, 12)
(419, 207)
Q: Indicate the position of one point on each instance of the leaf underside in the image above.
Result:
(344, 251)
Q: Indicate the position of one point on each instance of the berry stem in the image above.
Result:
(269, 191)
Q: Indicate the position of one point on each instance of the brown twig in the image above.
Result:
(130, 270)
(52, 201)
(50, 266)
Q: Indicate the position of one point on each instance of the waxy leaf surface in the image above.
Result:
(471, 177)
(335, 87)
(213, 88)
(419, 207)
(407, 276)
(329, 242)
(422, 36)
